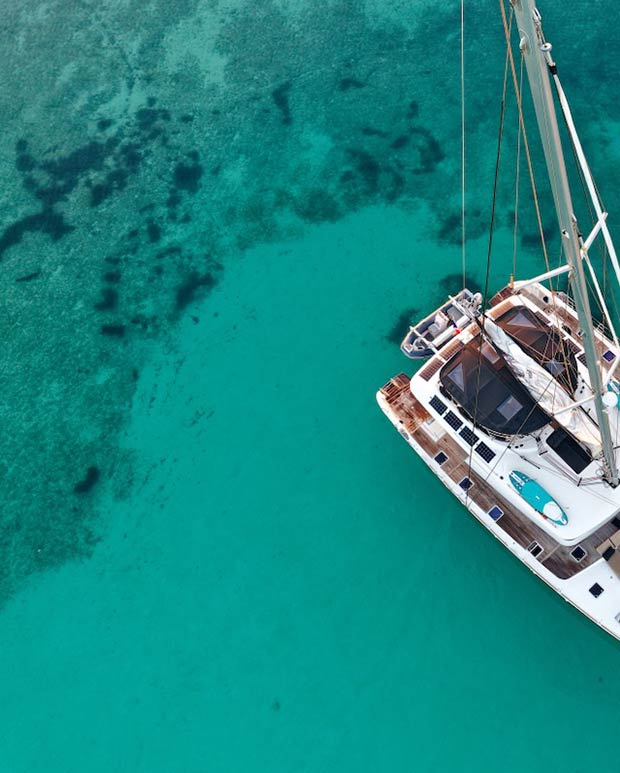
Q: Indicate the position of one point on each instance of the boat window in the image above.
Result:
(568, 449)
(521, 318)
(510, 407)
(457, 376)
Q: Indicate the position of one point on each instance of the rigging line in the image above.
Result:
(463, 231)
(517, 181)
(485, 296)
(526, 144)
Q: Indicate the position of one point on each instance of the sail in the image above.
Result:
(546, 390)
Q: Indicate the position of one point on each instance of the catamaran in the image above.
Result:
(516, 405)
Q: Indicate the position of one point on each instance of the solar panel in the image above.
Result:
(438, 405)
(453, 420)
(485, 452)
(469, 436)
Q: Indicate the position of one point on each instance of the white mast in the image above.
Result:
(536, 52)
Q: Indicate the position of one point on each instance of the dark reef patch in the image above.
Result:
(430, 153)
(153, 231)
(90, 479)
(531, 239)
(346, 84)
(113, 331)
(147, 117)
(174, 249)
(109, 300)
(450, 230)
(103, 166)
(402, 324)
(367, 168)
(193, 283)
(318, 206)
(414, 109)
(370, 131)
(397, 186)
(29, 277)
(115, 180)
(452, 283)
(48, 221)
(400, 142)
(280, 97)
(112, 276)
(186, 177)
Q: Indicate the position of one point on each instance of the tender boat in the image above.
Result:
(429, 335)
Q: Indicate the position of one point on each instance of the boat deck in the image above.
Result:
(557, 558)
(570, 323)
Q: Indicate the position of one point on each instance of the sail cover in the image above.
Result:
(545, 389)
(542, 343)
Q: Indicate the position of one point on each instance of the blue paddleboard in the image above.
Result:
(536, 496)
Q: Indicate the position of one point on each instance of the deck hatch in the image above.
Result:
(609, 356)
(438, 405)
(596, 590)
(453, 420)
(466, 483)
(535, 549)
(578, 553)
(441, 458)
(609, 552)
(485, 452)
(496, 512)
(469, 436)
(569, 450)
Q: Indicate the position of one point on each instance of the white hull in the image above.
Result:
(604, 610)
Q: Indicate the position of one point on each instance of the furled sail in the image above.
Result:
(545, 389)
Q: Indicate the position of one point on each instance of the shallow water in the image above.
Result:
(217, 554)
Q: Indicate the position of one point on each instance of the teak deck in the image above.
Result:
(555, 557)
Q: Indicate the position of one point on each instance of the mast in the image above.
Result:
(539, 65)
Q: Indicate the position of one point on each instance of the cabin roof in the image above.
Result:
(481, 382)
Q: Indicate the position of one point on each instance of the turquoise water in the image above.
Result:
(216, 553)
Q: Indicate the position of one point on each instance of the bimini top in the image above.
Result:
(541, 342)
(480, 381)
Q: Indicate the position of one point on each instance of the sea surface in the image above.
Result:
(217, 219)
